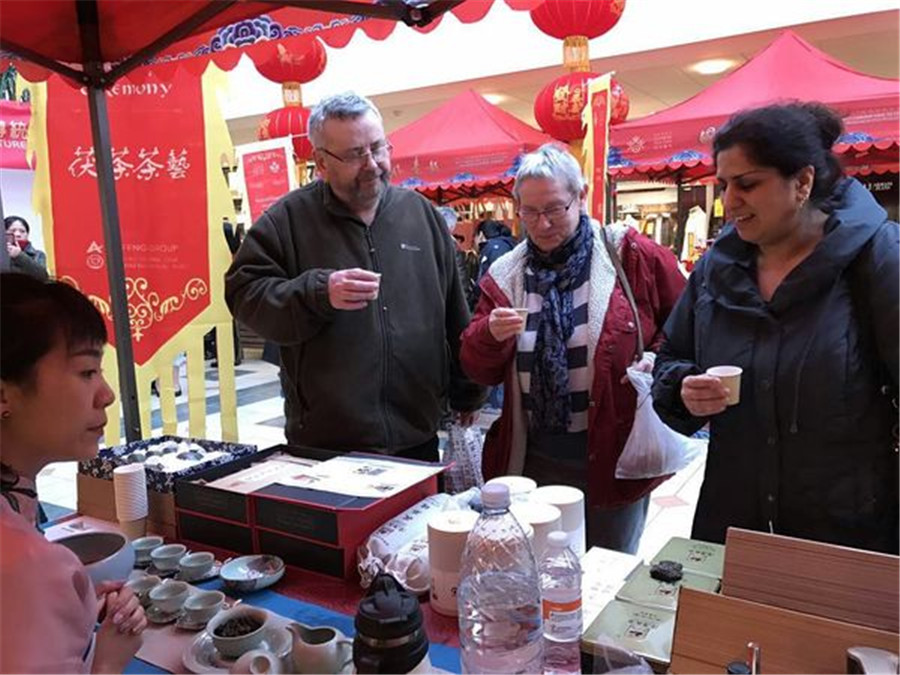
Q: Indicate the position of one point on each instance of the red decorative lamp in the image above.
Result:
(558, 106)
(291, 70)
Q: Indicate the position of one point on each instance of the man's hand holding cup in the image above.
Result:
(353, 288)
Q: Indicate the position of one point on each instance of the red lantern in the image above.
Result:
(591, 18)
(288, 121)
(575, 22)
(558, 106)
(292, 69)
(618, 111)
(285, 66)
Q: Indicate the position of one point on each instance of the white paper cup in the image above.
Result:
(543, 518)
(570, 502)
(132, 512)
(730, 376)
(134, 529)
(130, 489)
(523, 314)
(447, 534)
(520, 487)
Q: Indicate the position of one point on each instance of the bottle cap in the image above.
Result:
(557, 539)
(495, 496)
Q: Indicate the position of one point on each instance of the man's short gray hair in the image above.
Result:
(346, 105)
(550, 161)
(450, 217)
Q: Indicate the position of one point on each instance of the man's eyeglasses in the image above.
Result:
(552, 213)
(360, 156)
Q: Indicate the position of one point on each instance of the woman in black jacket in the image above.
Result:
(801, 291)
(23, 257)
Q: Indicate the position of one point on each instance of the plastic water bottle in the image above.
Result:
(499, 595)
(560, 574)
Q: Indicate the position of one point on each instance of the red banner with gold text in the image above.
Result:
(267, 177)
(159, 163)
(599, 105)
(14, 119)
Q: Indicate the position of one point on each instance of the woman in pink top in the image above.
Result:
(53, 401)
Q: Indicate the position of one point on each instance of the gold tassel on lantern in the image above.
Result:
(576, 53)
(291, 94)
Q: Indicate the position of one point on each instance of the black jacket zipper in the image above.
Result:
(381, 308)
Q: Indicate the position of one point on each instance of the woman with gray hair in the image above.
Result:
(555, 325)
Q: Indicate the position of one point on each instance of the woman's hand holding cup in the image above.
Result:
(122, 606)
(506, 322)
(704, 395)
(115, 647)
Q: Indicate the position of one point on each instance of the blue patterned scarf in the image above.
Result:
(556, 273)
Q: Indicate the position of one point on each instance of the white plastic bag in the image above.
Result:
(464, 446)
(652, 448)
(400, 546)
(397, 534)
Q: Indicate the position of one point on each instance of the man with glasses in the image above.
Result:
(555, 326)
(356, 281)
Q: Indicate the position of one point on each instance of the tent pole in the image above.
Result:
(680, 217)
(610, 200)
(4, 254)
(115, 267)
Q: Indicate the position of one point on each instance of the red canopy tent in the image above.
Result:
(464, 149)
(95, 43)
(675, 143)
(41, 36)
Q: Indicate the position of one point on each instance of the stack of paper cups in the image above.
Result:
(520, 487)
(447, 534)
(543, 518)
(570, 502)
(130, 486)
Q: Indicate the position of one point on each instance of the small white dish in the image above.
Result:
(156, 615)
(251, 572)
(142, 547)
(211, 574)
(166, 557)
(153, 570)
(184, 623)
(142, 585)
(201, 655)
(196, 565)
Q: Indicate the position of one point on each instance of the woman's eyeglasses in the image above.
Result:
(360, 156)
(552, 213)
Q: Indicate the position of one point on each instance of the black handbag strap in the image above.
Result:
(620, 272)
